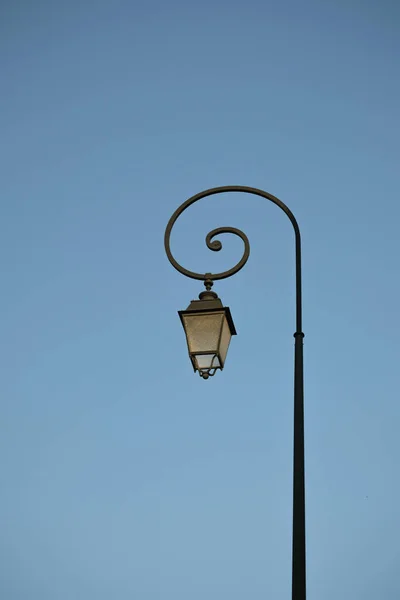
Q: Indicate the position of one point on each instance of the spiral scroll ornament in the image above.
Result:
(216, 245)
(212, 244)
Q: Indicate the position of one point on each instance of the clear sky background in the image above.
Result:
(123, 474)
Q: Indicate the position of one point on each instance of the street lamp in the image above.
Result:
(209, 326)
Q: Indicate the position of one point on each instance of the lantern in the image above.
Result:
(208, 327)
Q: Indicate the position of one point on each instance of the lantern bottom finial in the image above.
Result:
(206, 373)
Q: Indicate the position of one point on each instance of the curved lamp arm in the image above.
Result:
(216, 244)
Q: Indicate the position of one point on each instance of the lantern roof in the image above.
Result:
(209, 302)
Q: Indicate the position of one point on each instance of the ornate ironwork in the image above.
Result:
(216, 245)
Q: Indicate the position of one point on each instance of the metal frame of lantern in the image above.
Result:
(299, 541)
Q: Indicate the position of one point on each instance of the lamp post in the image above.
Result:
(209, 326)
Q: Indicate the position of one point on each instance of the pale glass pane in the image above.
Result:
(225, 340)
(216, 363)
(202, 331)
(206, 361)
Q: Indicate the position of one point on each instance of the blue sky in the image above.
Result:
(123, 474)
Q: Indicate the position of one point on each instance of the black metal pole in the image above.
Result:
(299, 519)
(299, 525)
(299, 512)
